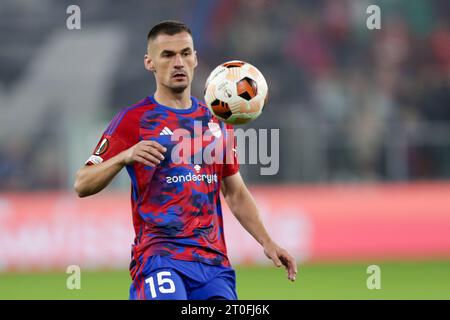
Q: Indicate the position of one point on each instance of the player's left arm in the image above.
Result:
(243, 207)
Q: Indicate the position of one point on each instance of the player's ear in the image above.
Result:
(148, 62)
(195, 59)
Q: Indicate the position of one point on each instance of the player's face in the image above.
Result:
(172, 58)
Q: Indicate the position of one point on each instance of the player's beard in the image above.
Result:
(178, 89)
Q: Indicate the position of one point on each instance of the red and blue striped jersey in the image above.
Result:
(176, 205)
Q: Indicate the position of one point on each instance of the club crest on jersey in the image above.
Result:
(102, 147)
(212, 146)
(215, 129)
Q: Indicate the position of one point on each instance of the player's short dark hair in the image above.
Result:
(169, 27)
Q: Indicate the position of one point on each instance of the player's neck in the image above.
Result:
(174, 100)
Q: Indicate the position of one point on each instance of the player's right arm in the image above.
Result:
(93, 178)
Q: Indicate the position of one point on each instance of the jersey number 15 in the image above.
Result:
(162, 279)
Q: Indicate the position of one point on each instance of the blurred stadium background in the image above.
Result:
(364, 120)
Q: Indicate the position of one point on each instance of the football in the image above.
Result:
(236, 92)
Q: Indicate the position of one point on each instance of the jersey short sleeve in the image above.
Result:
(116, 138)
(231, 163)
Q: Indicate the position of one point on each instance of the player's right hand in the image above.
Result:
(147, 152)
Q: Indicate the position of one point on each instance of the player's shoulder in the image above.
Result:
(130, 114)
(140, 106)
(202, 106)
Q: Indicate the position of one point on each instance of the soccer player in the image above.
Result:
(179, 249)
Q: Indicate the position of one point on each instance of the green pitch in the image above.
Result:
(399, 280)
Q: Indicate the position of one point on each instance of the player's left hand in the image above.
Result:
(280, 257)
